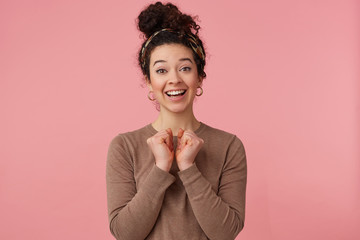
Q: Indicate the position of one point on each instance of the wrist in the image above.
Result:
(163, 166)
(183, 166)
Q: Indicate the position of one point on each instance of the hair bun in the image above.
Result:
(158, 16)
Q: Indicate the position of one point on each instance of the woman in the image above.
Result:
(175, 178)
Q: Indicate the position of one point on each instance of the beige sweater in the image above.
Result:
(205, 201)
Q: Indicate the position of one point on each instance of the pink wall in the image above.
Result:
(282, 75)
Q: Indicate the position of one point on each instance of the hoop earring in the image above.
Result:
(200, 92)
(151, 99)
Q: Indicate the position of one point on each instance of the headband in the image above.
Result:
(194, 43)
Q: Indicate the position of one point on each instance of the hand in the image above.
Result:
(188, 147)
(161, 145)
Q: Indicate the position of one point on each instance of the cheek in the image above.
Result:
(194, 83)
(157, 86)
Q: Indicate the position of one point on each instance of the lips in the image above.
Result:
(175, 92)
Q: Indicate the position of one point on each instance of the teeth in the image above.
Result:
(175, 92)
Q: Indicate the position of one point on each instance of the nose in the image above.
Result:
(175, 77)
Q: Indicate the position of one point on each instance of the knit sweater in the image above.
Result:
(204, 201)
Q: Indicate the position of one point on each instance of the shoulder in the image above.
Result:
(221, 137)
(131, 138)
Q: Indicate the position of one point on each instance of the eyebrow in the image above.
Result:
(185, 59)
(181, 59)
(158, 61)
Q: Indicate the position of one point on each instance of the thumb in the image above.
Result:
(170, 139)
(180, 133)
(179, 136)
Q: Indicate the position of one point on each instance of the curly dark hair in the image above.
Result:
(158, 16)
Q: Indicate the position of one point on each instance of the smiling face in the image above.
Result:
(173, 77)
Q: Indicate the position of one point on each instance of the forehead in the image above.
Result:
(170, 52)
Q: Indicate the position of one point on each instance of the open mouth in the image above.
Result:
(176, 93)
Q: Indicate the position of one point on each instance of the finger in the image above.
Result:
(180, 133)
(169, 139)
(164, 131)
(190, 133)
(188, 141)
(168, 131)
(184, 140)
(193, 136)
(196, 140)
(160, 139)
(161, 135)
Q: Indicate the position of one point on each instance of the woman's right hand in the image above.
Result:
(161, 145)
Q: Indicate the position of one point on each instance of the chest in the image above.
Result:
(210, 164)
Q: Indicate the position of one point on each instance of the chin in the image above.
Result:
(176, 109)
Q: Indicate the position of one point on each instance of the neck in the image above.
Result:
(185, 120)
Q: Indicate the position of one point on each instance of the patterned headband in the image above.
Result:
(196, 47)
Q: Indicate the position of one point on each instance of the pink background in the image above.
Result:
(282, 75)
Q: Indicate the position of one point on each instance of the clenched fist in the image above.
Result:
(187, 148)
(161, 144)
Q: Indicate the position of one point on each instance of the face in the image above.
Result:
(173, 77)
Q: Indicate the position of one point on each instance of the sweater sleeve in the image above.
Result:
(221, 215)
(132, 213)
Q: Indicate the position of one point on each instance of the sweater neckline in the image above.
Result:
(197, 131)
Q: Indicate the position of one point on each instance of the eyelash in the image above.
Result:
(161, 70)
(188, 68)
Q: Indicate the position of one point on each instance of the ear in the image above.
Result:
(148, 83)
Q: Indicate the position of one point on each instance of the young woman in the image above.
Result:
(177, 177)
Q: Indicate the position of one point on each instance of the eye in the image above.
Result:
(185, 69)
(161, 70)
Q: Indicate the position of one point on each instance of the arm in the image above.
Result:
(132, 214)
(222, 215)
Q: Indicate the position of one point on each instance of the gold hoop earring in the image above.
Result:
(151, 99)
(200, 92)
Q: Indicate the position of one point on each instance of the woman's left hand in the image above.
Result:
(187, 148)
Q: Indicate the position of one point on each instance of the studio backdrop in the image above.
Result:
(283, 75)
